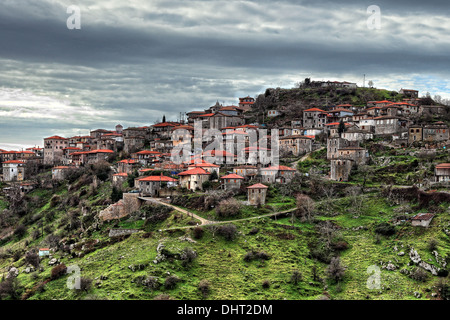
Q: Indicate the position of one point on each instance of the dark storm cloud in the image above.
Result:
(164, 57)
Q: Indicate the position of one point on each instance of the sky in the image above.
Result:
(131, 62)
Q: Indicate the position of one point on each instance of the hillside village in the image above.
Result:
(381, 164)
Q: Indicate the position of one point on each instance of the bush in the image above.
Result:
(20, 231)
(85, 284)
(187, 256)
(296, 277)
(197, 232)
(335, 269)
(32, 258)
(152, 283)
(171, 282)
(256, 255)
(228, 231)
(419, 274)
(385, 229)
(10, 288)
(204, 286)
(432, 244)
(228, 208)
(266, 284)
(58, 271)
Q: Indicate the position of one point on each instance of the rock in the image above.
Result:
(29, 269)
(390, 267)
(12, 273)
(401, 253)
(417, 294)
(103, 277)
(52, 262)
(414, 256)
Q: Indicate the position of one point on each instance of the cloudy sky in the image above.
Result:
(134, 61)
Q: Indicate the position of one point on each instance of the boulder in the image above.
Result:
(12, 273)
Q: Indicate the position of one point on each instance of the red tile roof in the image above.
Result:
(258, 186)
(314, 110)
(55, 138)
(193, 171)
(158, 178)
(423, 216)
(13, 161)
(232, 176)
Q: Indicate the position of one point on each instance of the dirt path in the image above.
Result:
(206, 221)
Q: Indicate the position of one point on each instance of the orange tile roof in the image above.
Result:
(193, 171)
(158, 178)
(55, 138)
(258, 186)
(232, 176)
(13, 161)
(314, 110)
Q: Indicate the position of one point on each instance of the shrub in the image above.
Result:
(228, 231)
(335, 269)
(32, 258)
(256, 255)
(152, 283)
(204, 286)
(266, 284)
(296, 277)
(171, 282)
(228, 208)
(432, 244)
(187, 256)
(419, 274)
(385, 229)
(58, 271)
(198, 232)
(20, 231)
(10, 288)
(85, 284)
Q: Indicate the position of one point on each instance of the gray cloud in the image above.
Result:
(164, 57)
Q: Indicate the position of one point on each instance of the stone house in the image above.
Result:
(60, 172)
(146, 157)
(314, 118)
(340, 169)
(209, 167)
(409, 93)
(119, 178)
(220, 120)
(357, 154)
(193, 179)
(53, 149)
(355, 134)
(296, 144)
(66, 157)
(422, 219)
(246, 103)
(442, 172)
(127, 166)
(246, 171)
(151, 185)
(436, 132)
(257, 194)
(99, 155)
(13, 170)
(231, 181)
(279, 174)
(333, 145)
(385, 125)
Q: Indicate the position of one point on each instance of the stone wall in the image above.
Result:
(121, 232)
(130, 203)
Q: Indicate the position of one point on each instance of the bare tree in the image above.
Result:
(305, 207)
(336, 270)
